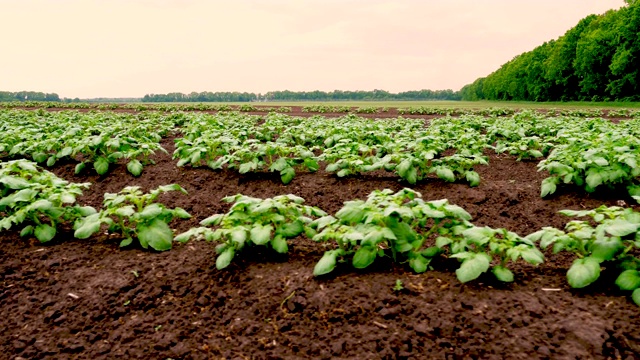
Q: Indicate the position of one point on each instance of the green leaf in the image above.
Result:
(246, 167)
(332, 167)
(403, 168)
(101, 165)
(364, 257)
(212, 220)
(458, 212)
(184, 237)
(28, 230)
(621, 227)
(51, 161)
(290, 230)
(182, 162)
(156, 234)
(473, 178)
(279, 244)
(442, 241)
(279, 164)
(67, 198)
(535, 153)
(181, 213)
(125, 211)
(260, 235)
(431, 252)
(532, 256)
(478, 235)
(411, 175)
(548, 186)
(323, 222)
(351, 214)
(629, 280)
(583, 272)
(239, 236)
(287, 174)
(311, 164)
(126, 242)
(343, 173)
(636, 296)
(594, 179)
(601, 161)
(446, 174)
(88, 228)
(502, 273)
(326, 264)
(473, 267)
(172, 187)
(14, 183)
(64, 152)
(80, 167)
(419, 263)
(224, 259)
(134, 167)
(39, 157)
(606, 249)
(150, 211)
(24, 195)
(405, 235)
(44, 232)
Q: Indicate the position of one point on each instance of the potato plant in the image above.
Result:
(593, 160)
(255, 222)
(401, 226)
(609, 243)
(386, 224)
(31, 195)
(135, 216)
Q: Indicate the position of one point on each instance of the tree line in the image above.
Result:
(28, 96)
(597, 60)
(286, 95)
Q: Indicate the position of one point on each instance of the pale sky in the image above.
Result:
(128, 48)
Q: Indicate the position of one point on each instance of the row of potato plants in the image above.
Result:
(588, 153)
(401, 226)
(167, 107)
(320, 108)
(585, 152)
(348, 145)
(97, 139)
(42, 204)
(405, 228)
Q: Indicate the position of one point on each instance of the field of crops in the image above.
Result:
(320, 231)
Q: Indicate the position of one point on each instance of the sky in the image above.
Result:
(129, 48)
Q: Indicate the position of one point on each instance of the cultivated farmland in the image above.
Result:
(318, 232)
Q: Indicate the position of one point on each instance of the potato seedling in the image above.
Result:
(135, 215)
(252, 221)
(609, 243)
(42, 200)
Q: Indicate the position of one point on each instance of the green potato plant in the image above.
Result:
(610, 244)
(255, 222)
(401, 225)
(479, 246)
(386, 224)
(135, 215)
(29, 194)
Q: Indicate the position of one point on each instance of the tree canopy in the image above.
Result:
(28, 96)
(597, 60)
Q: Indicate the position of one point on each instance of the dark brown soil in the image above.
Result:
(89, 299)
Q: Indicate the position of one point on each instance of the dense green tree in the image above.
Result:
(596, 60)
(28, 96)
